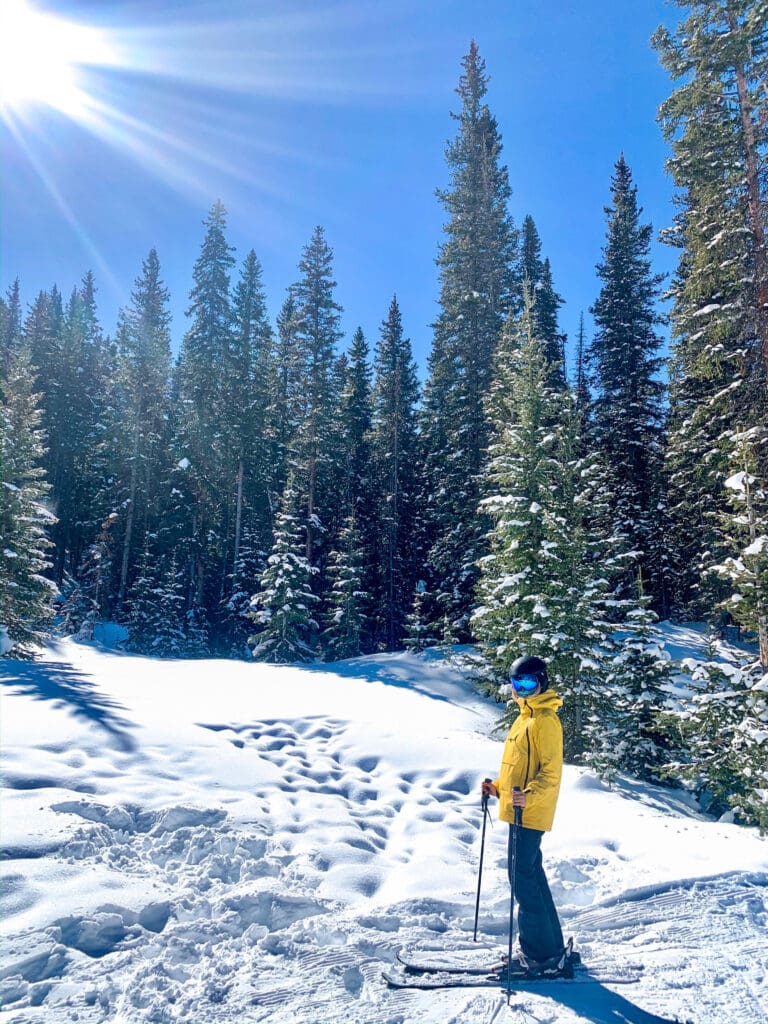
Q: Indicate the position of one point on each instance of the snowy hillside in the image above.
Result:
(214, 841)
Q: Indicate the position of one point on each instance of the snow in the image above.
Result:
(209, 841)
(757, 546)
(738, 481)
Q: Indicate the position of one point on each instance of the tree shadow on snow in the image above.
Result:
(58, 681)
(427, 673)
(597, 1004)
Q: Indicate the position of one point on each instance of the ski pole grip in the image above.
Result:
(518, 810)
(486, 795)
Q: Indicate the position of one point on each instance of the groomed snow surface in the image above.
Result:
(214, 841)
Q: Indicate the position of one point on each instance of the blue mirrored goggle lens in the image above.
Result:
(524, 685)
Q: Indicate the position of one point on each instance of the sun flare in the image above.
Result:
(41, 56)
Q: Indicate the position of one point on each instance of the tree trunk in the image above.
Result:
(754, 206)
(238, 519)
(129, 521)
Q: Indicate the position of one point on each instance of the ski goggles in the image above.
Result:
(524, 686)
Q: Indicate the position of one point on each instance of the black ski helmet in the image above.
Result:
(530, 665)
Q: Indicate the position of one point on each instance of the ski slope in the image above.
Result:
(209, 841)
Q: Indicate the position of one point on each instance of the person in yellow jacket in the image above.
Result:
(531, 767)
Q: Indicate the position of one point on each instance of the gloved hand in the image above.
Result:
(488, 788)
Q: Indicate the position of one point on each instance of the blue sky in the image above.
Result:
(303, 113)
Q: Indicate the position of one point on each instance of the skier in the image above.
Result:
(531, 767)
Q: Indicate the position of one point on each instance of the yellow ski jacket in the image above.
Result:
(533, 760)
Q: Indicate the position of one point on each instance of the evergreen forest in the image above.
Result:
(279, 492)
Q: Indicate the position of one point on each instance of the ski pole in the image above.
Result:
(480, 869)
(512, 874)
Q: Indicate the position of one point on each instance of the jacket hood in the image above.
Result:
(548, 700)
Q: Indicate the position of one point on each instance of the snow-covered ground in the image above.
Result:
(215, 841)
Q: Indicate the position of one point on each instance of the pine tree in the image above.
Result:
(286, 404)
(747, 534)
(628, 415)
(546, 301)
(25, 592)
(541, 588)
(716, 121)
(478, 290)
(75, 380)
(316, 334)
(283, 607)
(201, 428)
(393, 445)
(248, 388)
(156, 623)
(360, 504)
(721, 732)
(143, 376)
(246, 578)
(347, 600)
(546, 584)
(10, 326)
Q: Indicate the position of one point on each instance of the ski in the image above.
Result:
(488, 979)
(445, 979)
(481, 963)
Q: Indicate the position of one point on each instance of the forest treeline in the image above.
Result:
(280, 492)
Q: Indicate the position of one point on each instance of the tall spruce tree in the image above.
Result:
(546, 584)
(201, 437)
(541, 588)
(394, 448)
(628, 411)
(10, 326)
(248, 389)
(477, 264)
(316, 334)
(546, 301)
(143, 378)
(716, 121)
(25, 592)
(77, 402)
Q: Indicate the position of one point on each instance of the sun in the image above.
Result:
(41, 56)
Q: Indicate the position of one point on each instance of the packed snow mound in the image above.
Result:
(206, 841)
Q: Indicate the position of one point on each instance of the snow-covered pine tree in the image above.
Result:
(142, 384)
(721, 732)
(312, 334)
(286, 629)
(546, 585)
(246, 580)
(478, 289)
(248, 388)
(201, 436)
(347, 601)
(286, 405)
(746, 532)
(541, 588)
(361, 502)
(156, 622)
(716, 121)
(393, 446)
(25, 592)
(75, 389)
(628, 417)
(10, 326)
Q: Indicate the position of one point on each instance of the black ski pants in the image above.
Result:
(538, 924)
